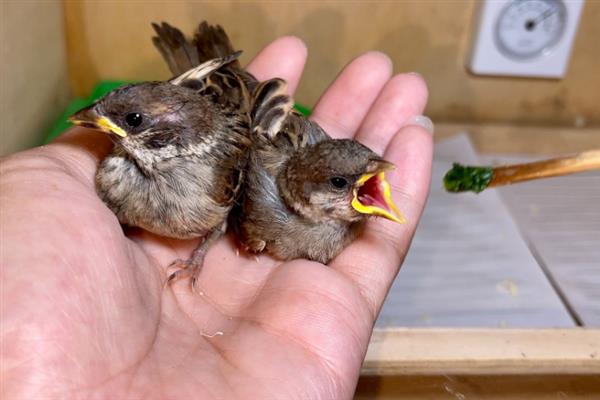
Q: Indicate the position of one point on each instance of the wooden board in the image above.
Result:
(515, 139)
(479, 387)
(410, 351)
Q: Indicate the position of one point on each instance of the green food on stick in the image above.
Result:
(462, 178)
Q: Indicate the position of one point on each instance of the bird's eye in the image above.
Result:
(339, 182)
(133, 119)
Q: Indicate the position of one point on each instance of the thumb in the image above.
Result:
(79, 151)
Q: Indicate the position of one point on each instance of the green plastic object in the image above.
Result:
(61, 123)
(100, 90)
(303, 110)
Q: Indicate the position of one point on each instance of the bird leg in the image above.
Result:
(191, 267)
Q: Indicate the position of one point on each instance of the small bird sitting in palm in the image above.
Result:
(305, 194)
(180, 151)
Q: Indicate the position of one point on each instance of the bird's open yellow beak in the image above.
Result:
(373, 195)
(88, 118)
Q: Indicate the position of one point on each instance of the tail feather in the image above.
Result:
(212, 42)
(181, 54)
(178, 52)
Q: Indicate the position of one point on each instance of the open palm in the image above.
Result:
(85, 312)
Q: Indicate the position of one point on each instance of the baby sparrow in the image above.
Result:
(180, 148)
(305, 194)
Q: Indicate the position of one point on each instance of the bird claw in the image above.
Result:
(191, 268)
(184, 269)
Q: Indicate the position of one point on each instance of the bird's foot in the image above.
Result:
(182, 269)
(191, 268)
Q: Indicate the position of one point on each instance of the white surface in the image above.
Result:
(501, 35)
(560, 218)
(468, 265)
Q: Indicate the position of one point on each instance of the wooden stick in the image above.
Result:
(586, 161)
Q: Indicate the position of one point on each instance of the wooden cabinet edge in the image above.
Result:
(431, 351)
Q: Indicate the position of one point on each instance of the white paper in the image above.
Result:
(468, 265)
(560, 219)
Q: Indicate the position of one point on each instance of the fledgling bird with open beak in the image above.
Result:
(180, 147)
(306, 195)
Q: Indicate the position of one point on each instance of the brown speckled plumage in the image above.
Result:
(162, 176)
(178, 172)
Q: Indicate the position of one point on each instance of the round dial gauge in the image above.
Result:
(529, 28)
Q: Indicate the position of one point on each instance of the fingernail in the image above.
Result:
(422, 121)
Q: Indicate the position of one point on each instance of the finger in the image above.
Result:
(283, 58)
(402, 98)
(345, 103)
(372, 261)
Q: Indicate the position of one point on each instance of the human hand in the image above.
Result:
(84, 308)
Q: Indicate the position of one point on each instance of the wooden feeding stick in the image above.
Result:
(463, 178)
